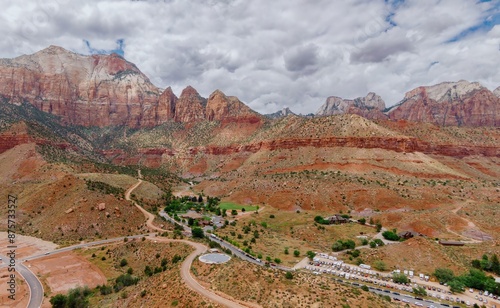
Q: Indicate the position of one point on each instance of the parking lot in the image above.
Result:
(382, 283)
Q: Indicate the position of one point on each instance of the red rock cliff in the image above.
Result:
(459, 103)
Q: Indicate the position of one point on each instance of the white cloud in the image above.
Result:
(272, 54)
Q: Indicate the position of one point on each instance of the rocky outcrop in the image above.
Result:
(166, 104)
(97, 90)
(190, 107)
(497, 92)
(105, 90)
(280, 114)
(370, 106)
(222, 108)
(450, 104)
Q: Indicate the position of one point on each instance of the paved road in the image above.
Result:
(194, 285)
(35, 286)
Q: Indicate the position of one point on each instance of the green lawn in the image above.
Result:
(234, 206)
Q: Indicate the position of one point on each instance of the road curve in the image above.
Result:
(186, 265)
(194, 285)
(35, 286)
(150, 217)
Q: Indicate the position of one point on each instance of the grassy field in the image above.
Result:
(234, 206)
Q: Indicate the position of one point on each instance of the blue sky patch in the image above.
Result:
(120, 43)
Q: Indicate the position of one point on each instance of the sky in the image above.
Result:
(273, 54)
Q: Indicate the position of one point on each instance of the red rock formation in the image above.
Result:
(18, 134)
(190, 107)
(226, 108)
(369, 107)
(97, 90)
(459, 104)
(167, 104)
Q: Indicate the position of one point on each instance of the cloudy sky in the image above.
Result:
(273, 54)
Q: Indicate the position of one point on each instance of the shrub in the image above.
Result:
(198, 232)
(400, 278)
(123, 262)
(289, 275)
(296, 253)
(390, 235)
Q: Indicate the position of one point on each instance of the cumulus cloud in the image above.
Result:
(291, 53)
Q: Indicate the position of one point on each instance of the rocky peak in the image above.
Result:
(445, 91)
(190, 106)
(221, 107)
(497, 92)
(459, 103)
(361, 105)
(166, 104)
(280, 114)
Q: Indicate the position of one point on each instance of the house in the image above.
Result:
(336, 220)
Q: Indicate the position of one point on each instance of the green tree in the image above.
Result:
(456, 286)
(296, 253)
(362, 221)
(286, 250)
(198, 232)
(289, 275)
(390, 235)
(58, 301)
(379, 226)
(373, 244)
(420, 291)
(234, 212)
(495, 264)
(310, 254)
(400, 278)
(444, 274)
(123, 262)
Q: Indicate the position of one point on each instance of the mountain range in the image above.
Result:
(107, 90)
(407, 165)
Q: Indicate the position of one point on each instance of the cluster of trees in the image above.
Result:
(376, 243)
(322, 221)
(77, 297)
(475, 278)
(391, 235)
(105, 188)
(343, 244)
(488, 264)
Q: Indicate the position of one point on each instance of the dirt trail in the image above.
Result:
(186, 265)
(473, 229)
(150, 217)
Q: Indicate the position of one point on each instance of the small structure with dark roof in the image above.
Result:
(336, 219)
(451, 243)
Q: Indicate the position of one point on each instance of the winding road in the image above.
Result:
(186, 265)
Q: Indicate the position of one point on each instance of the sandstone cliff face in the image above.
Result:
(167, 104)
(190, 107)
(105, 90)
(451, 103)
(370, 106)
(95, 90)
(222, 108)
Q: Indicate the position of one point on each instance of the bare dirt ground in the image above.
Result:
(65, 271)
(22, 291)
(26, 245)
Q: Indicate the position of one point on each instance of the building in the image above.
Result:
(336, 220)
(451, 243)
